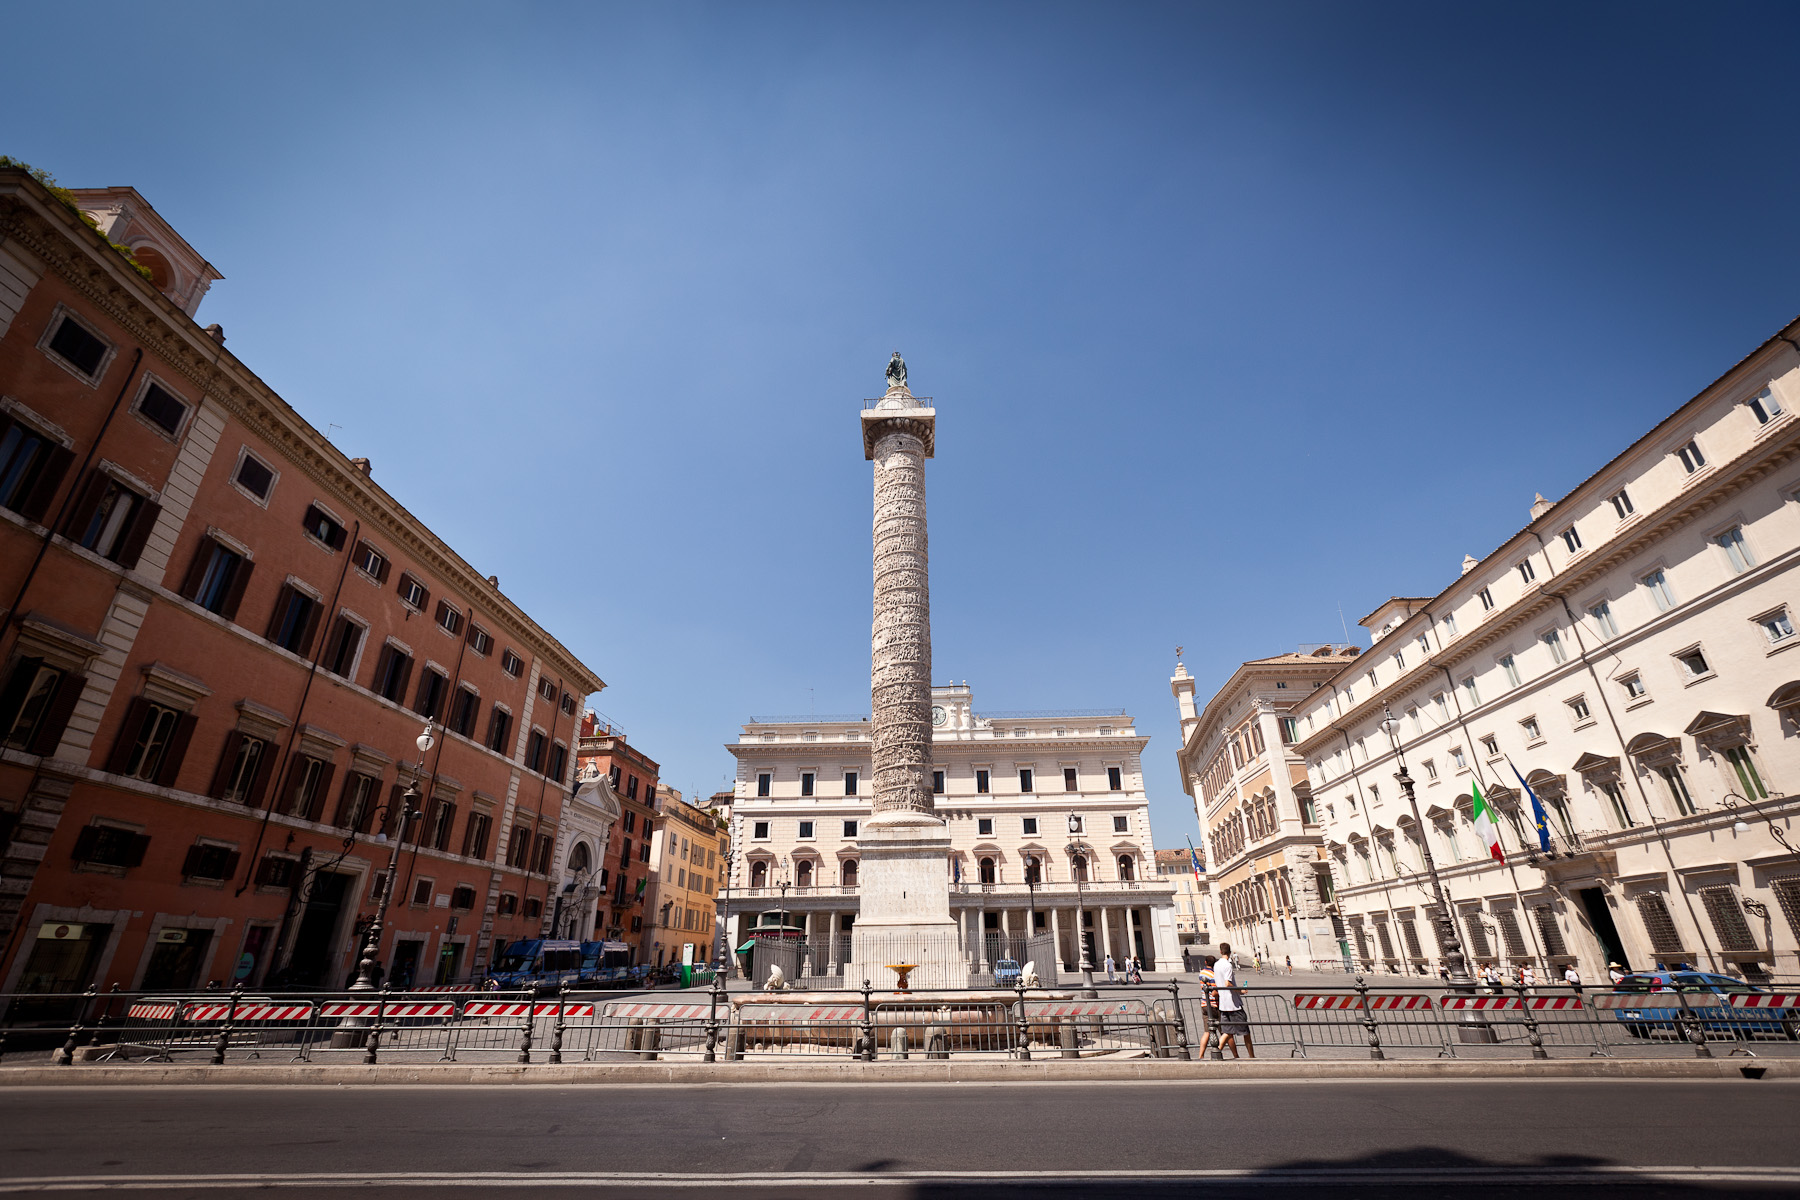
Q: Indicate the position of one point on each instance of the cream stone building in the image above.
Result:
(1269, 880)
(1007, 785)
(1193, 908)
(1632, 652)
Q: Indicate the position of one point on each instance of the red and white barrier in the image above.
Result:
(1765, 1000)
(1509, 1003)
(249, 1012)
(152, 1012)
(754, 1014)
(1379, 1001)
(447, 987)
(1084, 1008)
(671, 1012)
(516, 1008)
(1634, 1000)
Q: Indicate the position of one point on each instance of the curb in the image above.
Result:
(1139, 1070)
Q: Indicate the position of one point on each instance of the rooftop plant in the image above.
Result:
(67, 198)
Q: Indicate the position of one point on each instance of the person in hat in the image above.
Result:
(1616, 973)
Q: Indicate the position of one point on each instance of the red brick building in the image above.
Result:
(624, 909)
(221, 638)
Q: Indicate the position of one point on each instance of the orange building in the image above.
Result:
(623, 912)
(221, 639)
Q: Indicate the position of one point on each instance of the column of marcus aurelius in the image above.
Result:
(903, 879)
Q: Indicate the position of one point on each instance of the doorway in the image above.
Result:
(1599, 915)
(63, 958)
(449, 962)
(406, 964)
(175, 960)
(311, 958)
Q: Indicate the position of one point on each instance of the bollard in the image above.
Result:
(645, 1038)
(1181, 1037)
(1531, 1025)
(105, 1012)
(556, 1036)
(897, 1043)
(1068, 1038)
(1368, 1018)
(525, 1026)
(237, 997)
(1024, 1026)
(67, 1057)
(1695, 1033)
(937, 1036)
(712, 1020)
(372, 1048)
(868, 1033)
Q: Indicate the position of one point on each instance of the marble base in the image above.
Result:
(903, 903)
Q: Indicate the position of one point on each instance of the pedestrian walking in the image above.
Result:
(1137, 974)
(1527, 976)
(1209, 1002)
(1572, 977)
(1616, 973)
(1234, 1022)
(1444, 972)
(1290, 964)
(1109, 968)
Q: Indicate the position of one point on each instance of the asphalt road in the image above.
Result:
(942, 1142)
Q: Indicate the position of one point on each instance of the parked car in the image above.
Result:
(1006, 972)
(1708, 1006)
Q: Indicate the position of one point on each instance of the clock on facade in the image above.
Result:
(938, 715)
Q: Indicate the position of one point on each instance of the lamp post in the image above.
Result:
(1473, 1029)
(1087, 965)
(409, 800)
(1031, 882)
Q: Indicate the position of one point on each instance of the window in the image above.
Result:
(277, 871)
(630, 817)
(392, 671)
(1621, 502)
(441, 825)
(499, 727)
(110, 846)
(1443, 708)
(1490, 746)
(535, 746)
(1571, 539)
(984, 826)
(295, 619)
(32, 467)
(421, 891)
(806, 829)
(1424, 645)
(1450, 623)
(937, 783)
(217, 578)
(209, 860)
(341, 650)
(759, 830)
(1290, 733)
(428, 702)
(1511, 669)
(36, 704)
(1430, 769)
(480, 640)
(1737, 552)
(1553, 640)
(1633, 685)
(413, 594)
(112, 520)
(462, 898)
(849, 830)
(806, 782)
(1456, 757)
(1070, 782)
(508, 904)
(370, 562)
(255, 476)
(762, 783)
(1749, 778)
(75, 345)
(518, 848)
(1578, 708)
(1025, 779)
(1776, 626)
(850, 782)
(511, 663)
(559, 762)
(1694, 662)
(1691, 458)
(1469, 692)
(151, 742)
(243, 769)
(463, 712)
(1412, 714)
(1527, 572)
(1530, 726)
(1657, 584)
(1678, 790)
(448, 619)
(547, 687)
(567, 705)
(308, 782)
(357, 802)
(1121, 824)
(323, 526)
(1603, 621)
(1764, 406)
(1028, 826)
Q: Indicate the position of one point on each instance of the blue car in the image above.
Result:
(1006, 972)
(1707, 1006)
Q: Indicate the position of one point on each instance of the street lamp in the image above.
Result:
(1477, 1031)
(371, 949)
(1087, 965)
(1031, 883)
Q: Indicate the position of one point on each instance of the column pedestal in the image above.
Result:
(905, 914)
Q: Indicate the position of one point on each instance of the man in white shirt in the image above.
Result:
(1234, 1022)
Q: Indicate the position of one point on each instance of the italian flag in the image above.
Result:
(1486, 828)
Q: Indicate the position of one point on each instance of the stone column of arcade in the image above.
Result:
(905, 846)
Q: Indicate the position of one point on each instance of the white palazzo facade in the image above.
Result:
(1006, 784)
(1633, 651)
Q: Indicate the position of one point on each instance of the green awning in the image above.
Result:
(749, 945)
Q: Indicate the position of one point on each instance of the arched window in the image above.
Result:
(1078, 867)
(759, 874)
(579, 859)
(1127, 867)
(987, 870)
(1034, 870)
(850, 872)
(803, 874)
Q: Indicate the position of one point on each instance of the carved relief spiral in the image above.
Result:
(900, 638)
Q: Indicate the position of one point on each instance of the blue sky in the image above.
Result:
(1234, 314)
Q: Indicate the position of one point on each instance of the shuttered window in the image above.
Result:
(36, 703)
(1727, 916)
(76, 345)
(217, 577)
(206, 861)
(1549, 931)
(1660, 927)
(111, 520)
(1510, 934)
(32, 466)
